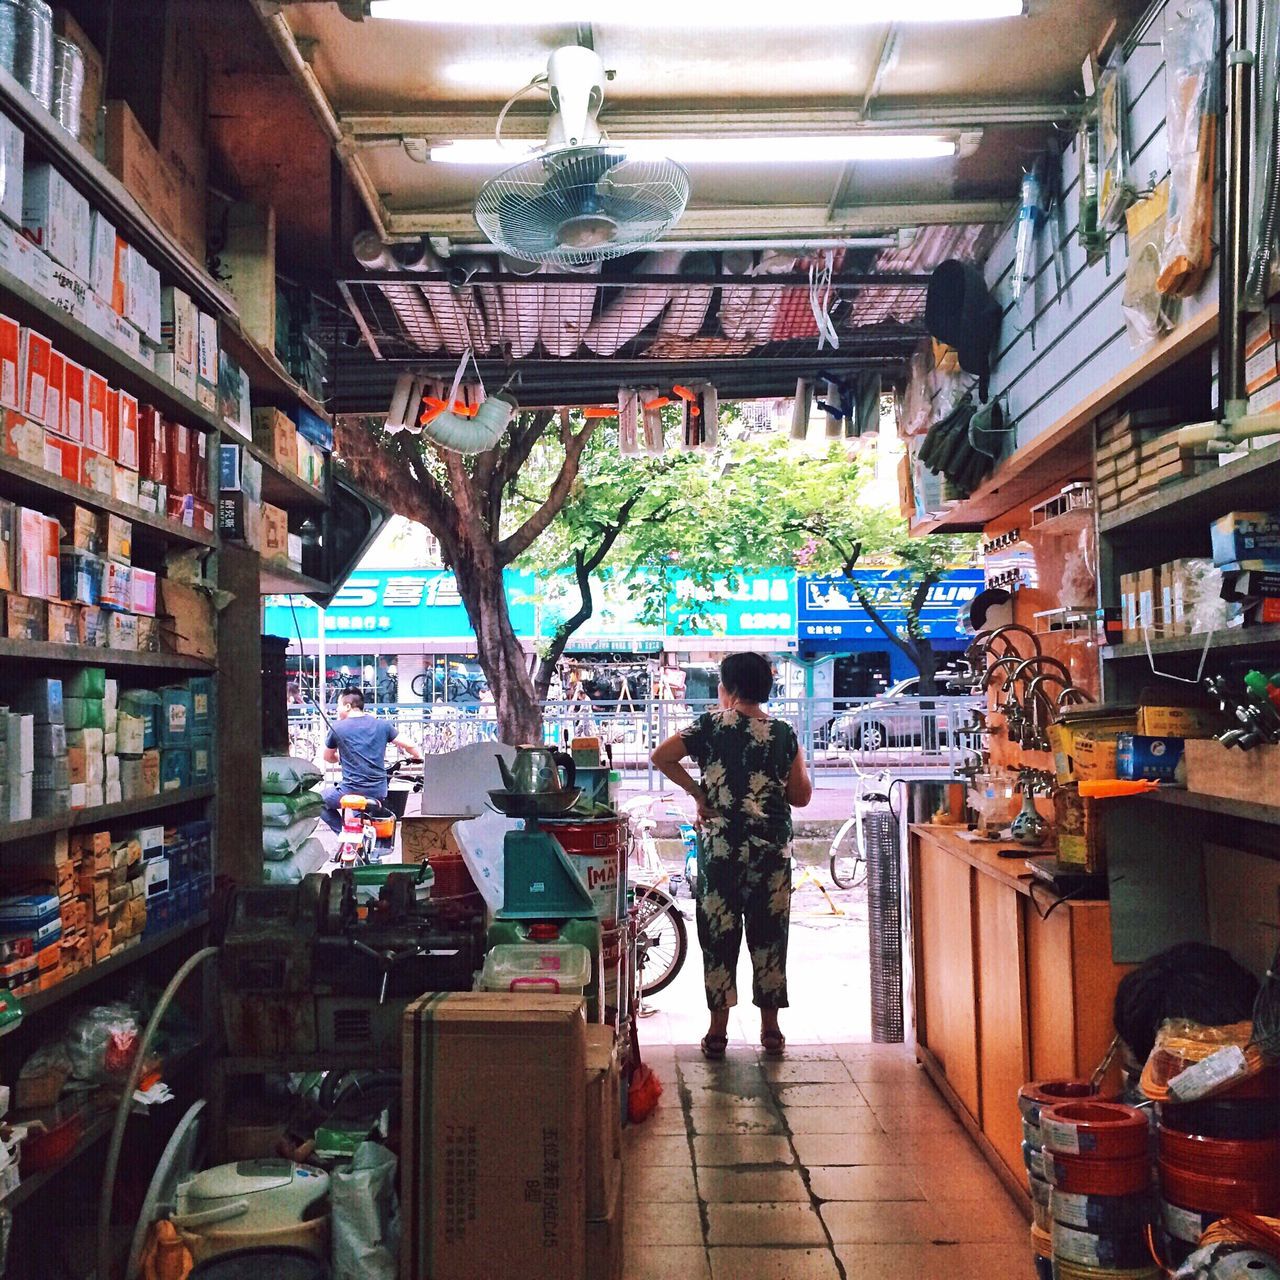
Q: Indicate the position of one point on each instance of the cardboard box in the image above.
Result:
(23, 439)
(97, 472)
(275, 533)
(118, 542)
(56, 217)
(605, 1237)
(275, 434)
(34, 354)
(178, 468)
(604, 1122)
(8, 545)
(187, 620)
(25, 618)
(126, 485)
(130, 155)
(94, 86)
(123, 444)
(240, 519)
(95, 432)
(152, 463)
(207, 360)
(493, 1175)
(249, 260)
(1138, 756)
(1180, 722)
(33, 551)
(10, 358)
(54, 409)
(102, 256)
(12, 146)
(73, 400)
(1247, 540)
(233, 396)
(1215, 770)
(69, 293)
(62, 457)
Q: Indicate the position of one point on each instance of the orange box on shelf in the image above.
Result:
(120, 277)
(151, 444)
(10, 354)
(95, 431)
(62, 457)
(73, 400)
(23, 439)
(55, 404)
(204, 515)
(33, 580)
(178, 473)
(97, 472)
(34, 353)
(124, 445)
(64, 623)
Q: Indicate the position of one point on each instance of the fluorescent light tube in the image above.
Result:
(673, 13)
(777, 150)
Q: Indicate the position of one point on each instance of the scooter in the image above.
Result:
(368, 832)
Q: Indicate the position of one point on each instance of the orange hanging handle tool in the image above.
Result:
(1110, 788)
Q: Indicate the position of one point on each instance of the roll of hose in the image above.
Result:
(1224, 1117)
(1048, 1093)
(1064, 1270)
(1041, 1195)
(1042, 1253)
(1187, 1225)
(1259, 1232)
(1101, 1214)
(1090, 1176)
(1262, 1084)
(1032, 1134)
(1241, 1160)
(1034, 1159)
(1124, 1252)
(1212, 1194)
(1105, 1130)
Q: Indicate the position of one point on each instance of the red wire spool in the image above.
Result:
(1242, 1160)
(1262, 1084)
(1205, 1193)
(1038, 1095)
(1105, 1130)
(1093, 1176)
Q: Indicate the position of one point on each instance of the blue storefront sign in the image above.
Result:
(829, 610)
(397, 604)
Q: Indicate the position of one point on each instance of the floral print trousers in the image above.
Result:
(743, 879)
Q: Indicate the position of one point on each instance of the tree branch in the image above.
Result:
(864, 599)
(524, 537)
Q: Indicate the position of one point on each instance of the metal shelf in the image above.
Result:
(11, 831)
(279, 487)
(94, 973)
(107, 193)
(45, 651)
(1235, 638)
(23, 481)
(270, 380)
(281, 580)
(1222, 806)
(1248, 483)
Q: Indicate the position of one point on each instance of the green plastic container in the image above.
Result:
(369, 880)
(539, 882)
(585, 932)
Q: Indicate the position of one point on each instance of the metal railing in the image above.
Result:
(917, 736)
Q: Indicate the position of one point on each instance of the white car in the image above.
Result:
(888, 721)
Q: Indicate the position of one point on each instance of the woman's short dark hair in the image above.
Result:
(748, 676)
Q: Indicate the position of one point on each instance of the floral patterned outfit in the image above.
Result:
(744, 871)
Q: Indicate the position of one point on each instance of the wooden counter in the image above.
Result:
(1008, 988)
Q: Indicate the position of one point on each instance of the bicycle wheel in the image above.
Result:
(848, 867)
(661, 939)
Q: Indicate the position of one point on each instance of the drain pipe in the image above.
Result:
(716, 246)
(281, 35)
(1238, 83)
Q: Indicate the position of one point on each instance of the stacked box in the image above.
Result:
(30, 941)
(42, 699)
(1137, 453)
(19, 765)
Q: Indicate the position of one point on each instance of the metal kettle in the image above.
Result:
(538, 771)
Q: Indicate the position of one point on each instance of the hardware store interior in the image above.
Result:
(280, 279)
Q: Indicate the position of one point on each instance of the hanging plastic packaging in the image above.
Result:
(1111, 144)
(651, 406)
(1091, 239)
(1191, 125)
(1028, 224)
(628, 418)
(1148, 313)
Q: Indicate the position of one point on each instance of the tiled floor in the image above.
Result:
(841, 1161)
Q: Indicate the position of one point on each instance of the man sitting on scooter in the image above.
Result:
(359, 741)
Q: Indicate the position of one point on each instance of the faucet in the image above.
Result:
(979, 649)
(1040, 660)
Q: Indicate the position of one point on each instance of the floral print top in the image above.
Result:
(745, 761)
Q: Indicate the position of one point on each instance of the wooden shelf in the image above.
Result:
(280, 580)
(271, 382)
(104, 968)
(45, 651)
(75, 338)
(1064, 450)
(1219, 805)
(45, 137)
(1245, 484)
(1234, 638)
(24, 482)
(279, 487)
(11, 831)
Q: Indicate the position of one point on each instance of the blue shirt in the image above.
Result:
(361, 743)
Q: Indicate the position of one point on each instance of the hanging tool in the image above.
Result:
(1029, 215)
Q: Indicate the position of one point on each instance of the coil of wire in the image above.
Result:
(1064, 1270)
(1099, 1130)
(1090, 1176)
(26, 46)
(1042, 1252)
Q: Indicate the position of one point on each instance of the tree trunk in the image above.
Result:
(500, 653)
(555, 651)
(926, 661)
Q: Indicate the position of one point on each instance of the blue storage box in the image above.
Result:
(175, 717)
(1157, 759)
(175, 768)
(201, 761)
(201, 689)
(144, 704)
(314, 428)
(1247, 540)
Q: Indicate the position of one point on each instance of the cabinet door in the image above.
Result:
(945, 925)
(1050, 994)
(1002, 1020)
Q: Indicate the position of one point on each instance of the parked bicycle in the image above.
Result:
(662, 938)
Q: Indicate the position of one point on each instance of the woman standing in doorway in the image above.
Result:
(752, 773)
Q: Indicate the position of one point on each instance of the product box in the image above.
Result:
(1181, 722)
(34, 353)
(179, 330)
(12, 146)
(493, 1176)
(1138, 756)
(64, 623)
(37, 554)
(102, 255)
(1247, 540)
(200, 463)
(604, 1127)
(41, 699)
(201, 761)
(1148, 593)
(175, 717)
(54, 408)
(143, 593)
(85, 530)
(10, 358)
(233, 396)
(201, 689)
(73, 400)
(25, 618)
(117, 589)
(275, 533)
(178, 473)
(56, 216)
(119, 539)
(122, 632)
(125, 488)
(81, 576)
(69, 293)
(152, 463)
(97, 472)
(240, 519)
(63, 457)
(175, 768)
(122, 445)
(23, 439)
(8, 545)
(312, 427)
(181, 509)
(275, 434)
(207, 360)
(95, 430)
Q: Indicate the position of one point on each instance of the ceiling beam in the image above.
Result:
(728, 122)
(749, 222)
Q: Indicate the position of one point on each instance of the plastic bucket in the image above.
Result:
(611, 967)
(453, 881)
(597, 848)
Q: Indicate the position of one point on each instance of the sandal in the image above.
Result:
(713, 1047)
(774, 1044)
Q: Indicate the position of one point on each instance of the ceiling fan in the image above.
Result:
(581, 199)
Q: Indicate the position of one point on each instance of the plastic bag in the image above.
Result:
(1111, 144)
(283, 775)
(366, 1216)
(101, 1042)
(1181, 1044)
(1191, 125)
(281, 842)
(1148, 313)
(284, 811)
(283, 871)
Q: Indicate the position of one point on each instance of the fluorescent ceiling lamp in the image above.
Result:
(673, 13)
(776, 150)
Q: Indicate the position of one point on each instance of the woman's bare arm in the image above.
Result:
(799, 790)
(666, 758)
